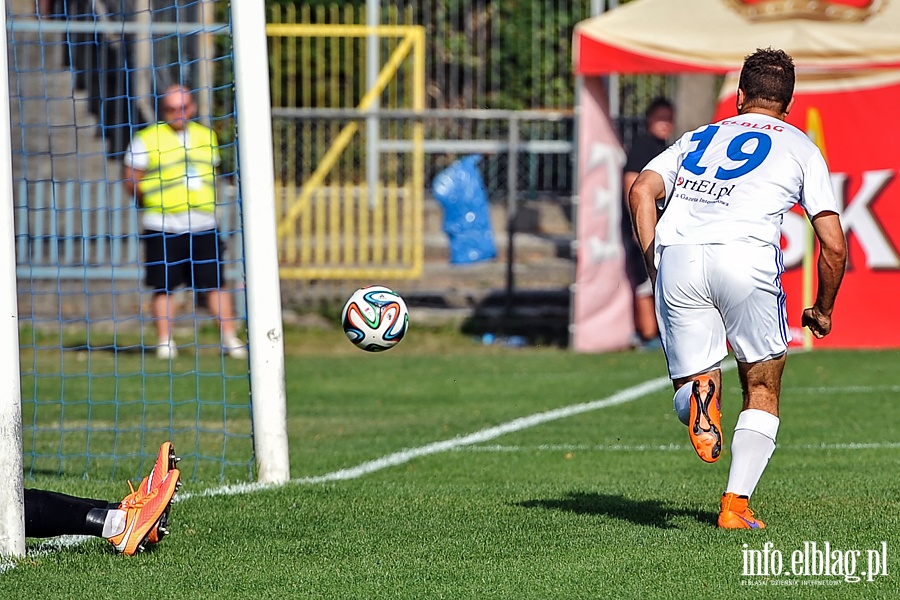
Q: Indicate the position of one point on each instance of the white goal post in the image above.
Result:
(262, 284)
(12, 500)
(264, 321)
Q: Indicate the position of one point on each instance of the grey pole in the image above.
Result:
(512, 209)
(373, 63)
(615, 106)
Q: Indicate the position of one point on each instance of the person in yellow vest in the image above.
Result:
(170, 168)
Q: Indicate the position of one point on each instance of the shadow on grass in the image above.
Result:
(650, 513)
(110, 348)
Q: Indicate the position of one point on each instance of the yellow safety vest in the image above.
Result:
(180, 175)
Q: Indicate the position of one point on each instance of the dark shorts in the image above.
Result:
(193, 260)
(635, 267)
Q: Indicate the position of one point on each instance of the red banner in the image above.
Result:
(603, 311)
(852, 119)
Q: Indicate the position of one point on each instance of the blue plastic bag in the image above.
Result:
(467, 221)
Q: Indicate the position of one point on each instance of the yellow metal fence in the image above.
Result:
(330, 226)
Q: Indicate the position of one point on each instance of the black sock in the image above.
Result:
(48, 514)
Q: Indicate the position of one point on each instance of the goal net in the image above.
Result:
(98, 393)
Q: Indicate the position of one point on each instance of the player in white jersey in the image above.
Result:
(715, 259)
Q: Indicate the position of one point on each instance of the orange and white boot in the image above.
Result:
(735, 514)
(166, 460)
(143, 513)
(705, 424)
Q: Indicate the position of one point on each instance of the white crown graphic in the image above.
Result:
(821, 10)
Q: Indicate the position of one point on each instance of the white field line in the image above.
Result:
(46, 547)
(485, 435)
(833, 391)
(470, 440)
(57, 544)
(479, 437)
(397, 458)
(666, 447)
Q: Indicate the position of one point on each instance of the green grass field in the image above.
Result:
(608, 503)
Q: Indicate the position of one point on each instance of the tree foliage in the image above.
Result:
(512, 54)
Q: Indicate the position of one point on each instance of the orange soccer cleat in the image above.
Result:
(166, 460)
(735, 513)
(705, 424)
(143, 513)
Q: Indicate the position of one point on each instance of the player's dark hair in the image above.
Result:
(767, 79)
(656, 104)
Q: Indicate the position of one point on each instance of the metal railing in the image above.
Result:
(91, 230)
(333, 223)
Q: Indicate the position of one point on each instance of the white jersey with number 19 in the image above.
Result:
(734, 180)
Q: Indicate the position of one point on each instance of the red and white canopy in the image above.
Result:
(676, 36)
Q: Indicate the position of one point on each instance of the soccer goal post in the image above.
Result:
(88, 390)
(12, 504)
(263, 288)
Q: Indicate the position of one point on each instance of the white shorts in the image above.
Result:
(707, 293)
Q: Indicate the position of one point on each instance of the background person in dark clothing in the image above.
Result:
(660, 125)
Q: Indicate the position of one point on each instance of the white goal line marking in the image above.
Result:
(469, 441)
(397, 458)
(462, 442)
(664, 447)
(852, 389)
(391, 460)
(484, 435)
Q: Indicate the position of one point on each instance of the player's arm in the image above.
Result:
(648, 187)
(628, 180)
(831, 265)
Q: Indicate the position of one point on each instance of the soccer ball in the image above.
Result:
(375, 318)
